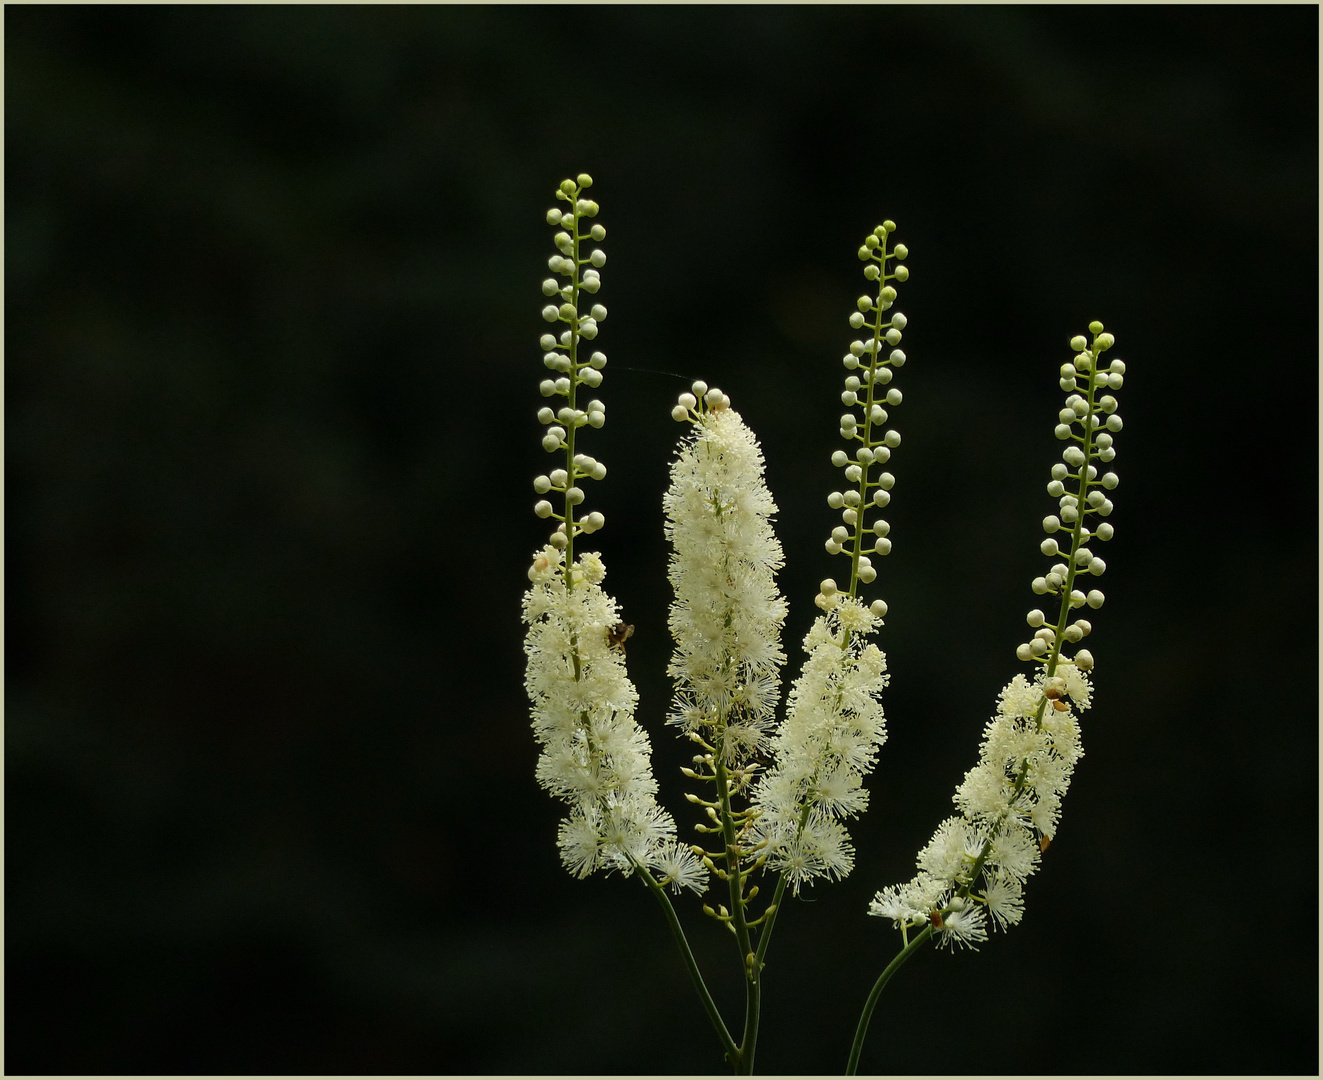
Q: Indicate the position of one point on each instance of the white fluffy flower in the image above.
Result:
(1009, 806)
(1004, 899)
(594, 756)
(963, 926)
(826, 746)
(727, 614)
(909, 903)
(679, 867)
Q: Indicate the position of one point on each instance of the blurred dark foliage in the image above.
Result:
(271, 361)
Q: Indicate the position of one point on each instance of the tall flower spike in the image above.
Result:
(594, 756)
(727, 615)
(834, 724)
(1009, 804)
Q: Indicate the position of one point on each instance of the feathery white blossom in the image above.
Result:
(1009, 805)
(727, 614)
(594, 756)
(826, 746)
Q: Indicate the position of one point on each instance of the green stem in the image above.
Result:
(572, 398)
(735, 879)
(765, 935)
(858, 1046)
(691, 965)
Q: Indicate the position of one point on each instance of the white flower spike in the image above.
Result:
(727, 615)
(1010, 803)
(834, 724)
(595, 757)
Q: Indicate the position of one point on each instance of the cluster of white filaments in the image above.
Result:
(976, 863)
(834, 724)
(975, 866)
(727, 615)
(825, 747)
(594, 757)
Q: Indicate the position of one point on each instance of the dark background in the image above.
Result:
(271, 283)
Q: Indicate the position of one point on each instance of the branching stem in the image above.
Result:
(691, 965)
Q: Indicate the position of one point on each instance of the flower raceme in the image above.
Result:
(1009, 804)
(727, 615)
(829, 742)
(726, 620)
(594, 756)
(834, 724)
(977, 862)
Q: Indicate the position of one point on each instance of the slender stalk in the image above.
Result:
(765, 935)
(752, 1007)
(858, 1046)
(691, 965)
(735, 878)
(571, 401)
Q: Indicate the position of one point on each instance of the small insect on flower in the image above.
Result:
(1044, 843)
(935, 918)
(1053, 691)
(619, 634)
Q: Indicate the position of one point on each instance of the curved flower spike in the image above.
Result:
(973, 869)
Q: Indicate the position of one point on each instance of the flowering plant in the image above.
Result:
(775, 797)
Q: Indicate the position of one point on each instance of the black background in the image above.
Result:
(271, 282)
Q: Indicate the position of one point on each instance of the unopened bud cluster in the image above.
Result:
(694, 406)
(871, 363)
(1088, 423)
(577, 272)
